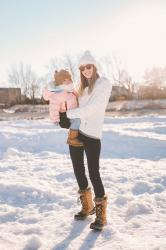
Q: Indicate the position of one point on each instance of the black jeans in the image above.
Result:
(92, 149)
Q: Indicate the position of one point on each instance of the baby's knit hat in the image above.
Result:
(61, 76)
(87, 58)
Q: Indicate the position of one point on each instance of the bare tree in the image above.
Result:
(127, 81)
(23, 77)
(54, 64)
(105, 66)
(33, 84)
(156, 77)
(114, 68)
(71, 64)
(66, 62)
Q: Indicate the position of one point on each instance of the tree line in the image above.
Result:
(153, 85)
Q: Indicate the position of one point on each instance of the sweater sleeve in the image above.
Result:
(100, 95)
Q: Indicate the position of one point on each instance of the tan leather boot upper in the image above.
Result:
(72, 138)
(101, 205)
(86, 201)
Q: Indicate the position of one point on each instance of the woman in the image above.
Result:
(94, 93)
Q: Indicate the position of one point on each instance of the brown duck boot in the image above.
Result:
(72, 138)
(100, 221)
(88, 207)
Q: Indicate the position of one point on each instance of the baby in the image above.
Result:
(61, 96)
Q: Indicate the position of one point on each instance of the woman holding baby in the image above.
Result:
(85, 109)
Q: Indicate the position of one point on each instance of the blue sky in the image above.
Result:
(35, 31)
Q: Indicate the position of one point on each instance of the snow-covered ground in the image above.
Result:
(38, 191)
(137, 104)
(118, 108)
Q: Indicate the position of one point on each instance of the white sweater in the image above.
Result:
(92, 108)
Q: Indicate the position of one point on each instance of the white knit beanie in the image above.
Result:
(87, 58)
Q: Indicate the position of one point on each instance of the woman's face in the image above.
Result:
(87, 70)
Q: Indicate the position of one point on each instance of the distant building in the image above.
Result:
(119, 93)
(10, 96)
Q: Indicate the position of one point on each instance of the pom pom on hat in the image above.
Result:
(87, 58)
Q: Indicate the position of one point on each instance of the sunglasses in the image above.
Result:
(88, 66)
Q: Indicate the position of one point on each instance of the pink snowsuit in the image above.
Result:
(59, 101)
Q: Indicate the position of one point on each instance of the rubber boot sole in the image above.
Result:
(96, 227)
(83, 217)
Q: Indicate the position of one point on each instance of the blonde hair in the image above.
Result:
(87, 83)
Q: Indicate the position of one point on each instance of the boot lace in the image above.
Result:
(99, 211)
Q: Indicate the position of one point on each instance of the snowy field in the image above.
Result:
(38, 191)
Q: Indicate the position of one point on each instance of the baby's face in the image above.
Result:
(67, 81)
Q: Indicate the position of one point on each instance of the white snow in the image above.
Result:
(38, 190)
(137, 104)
